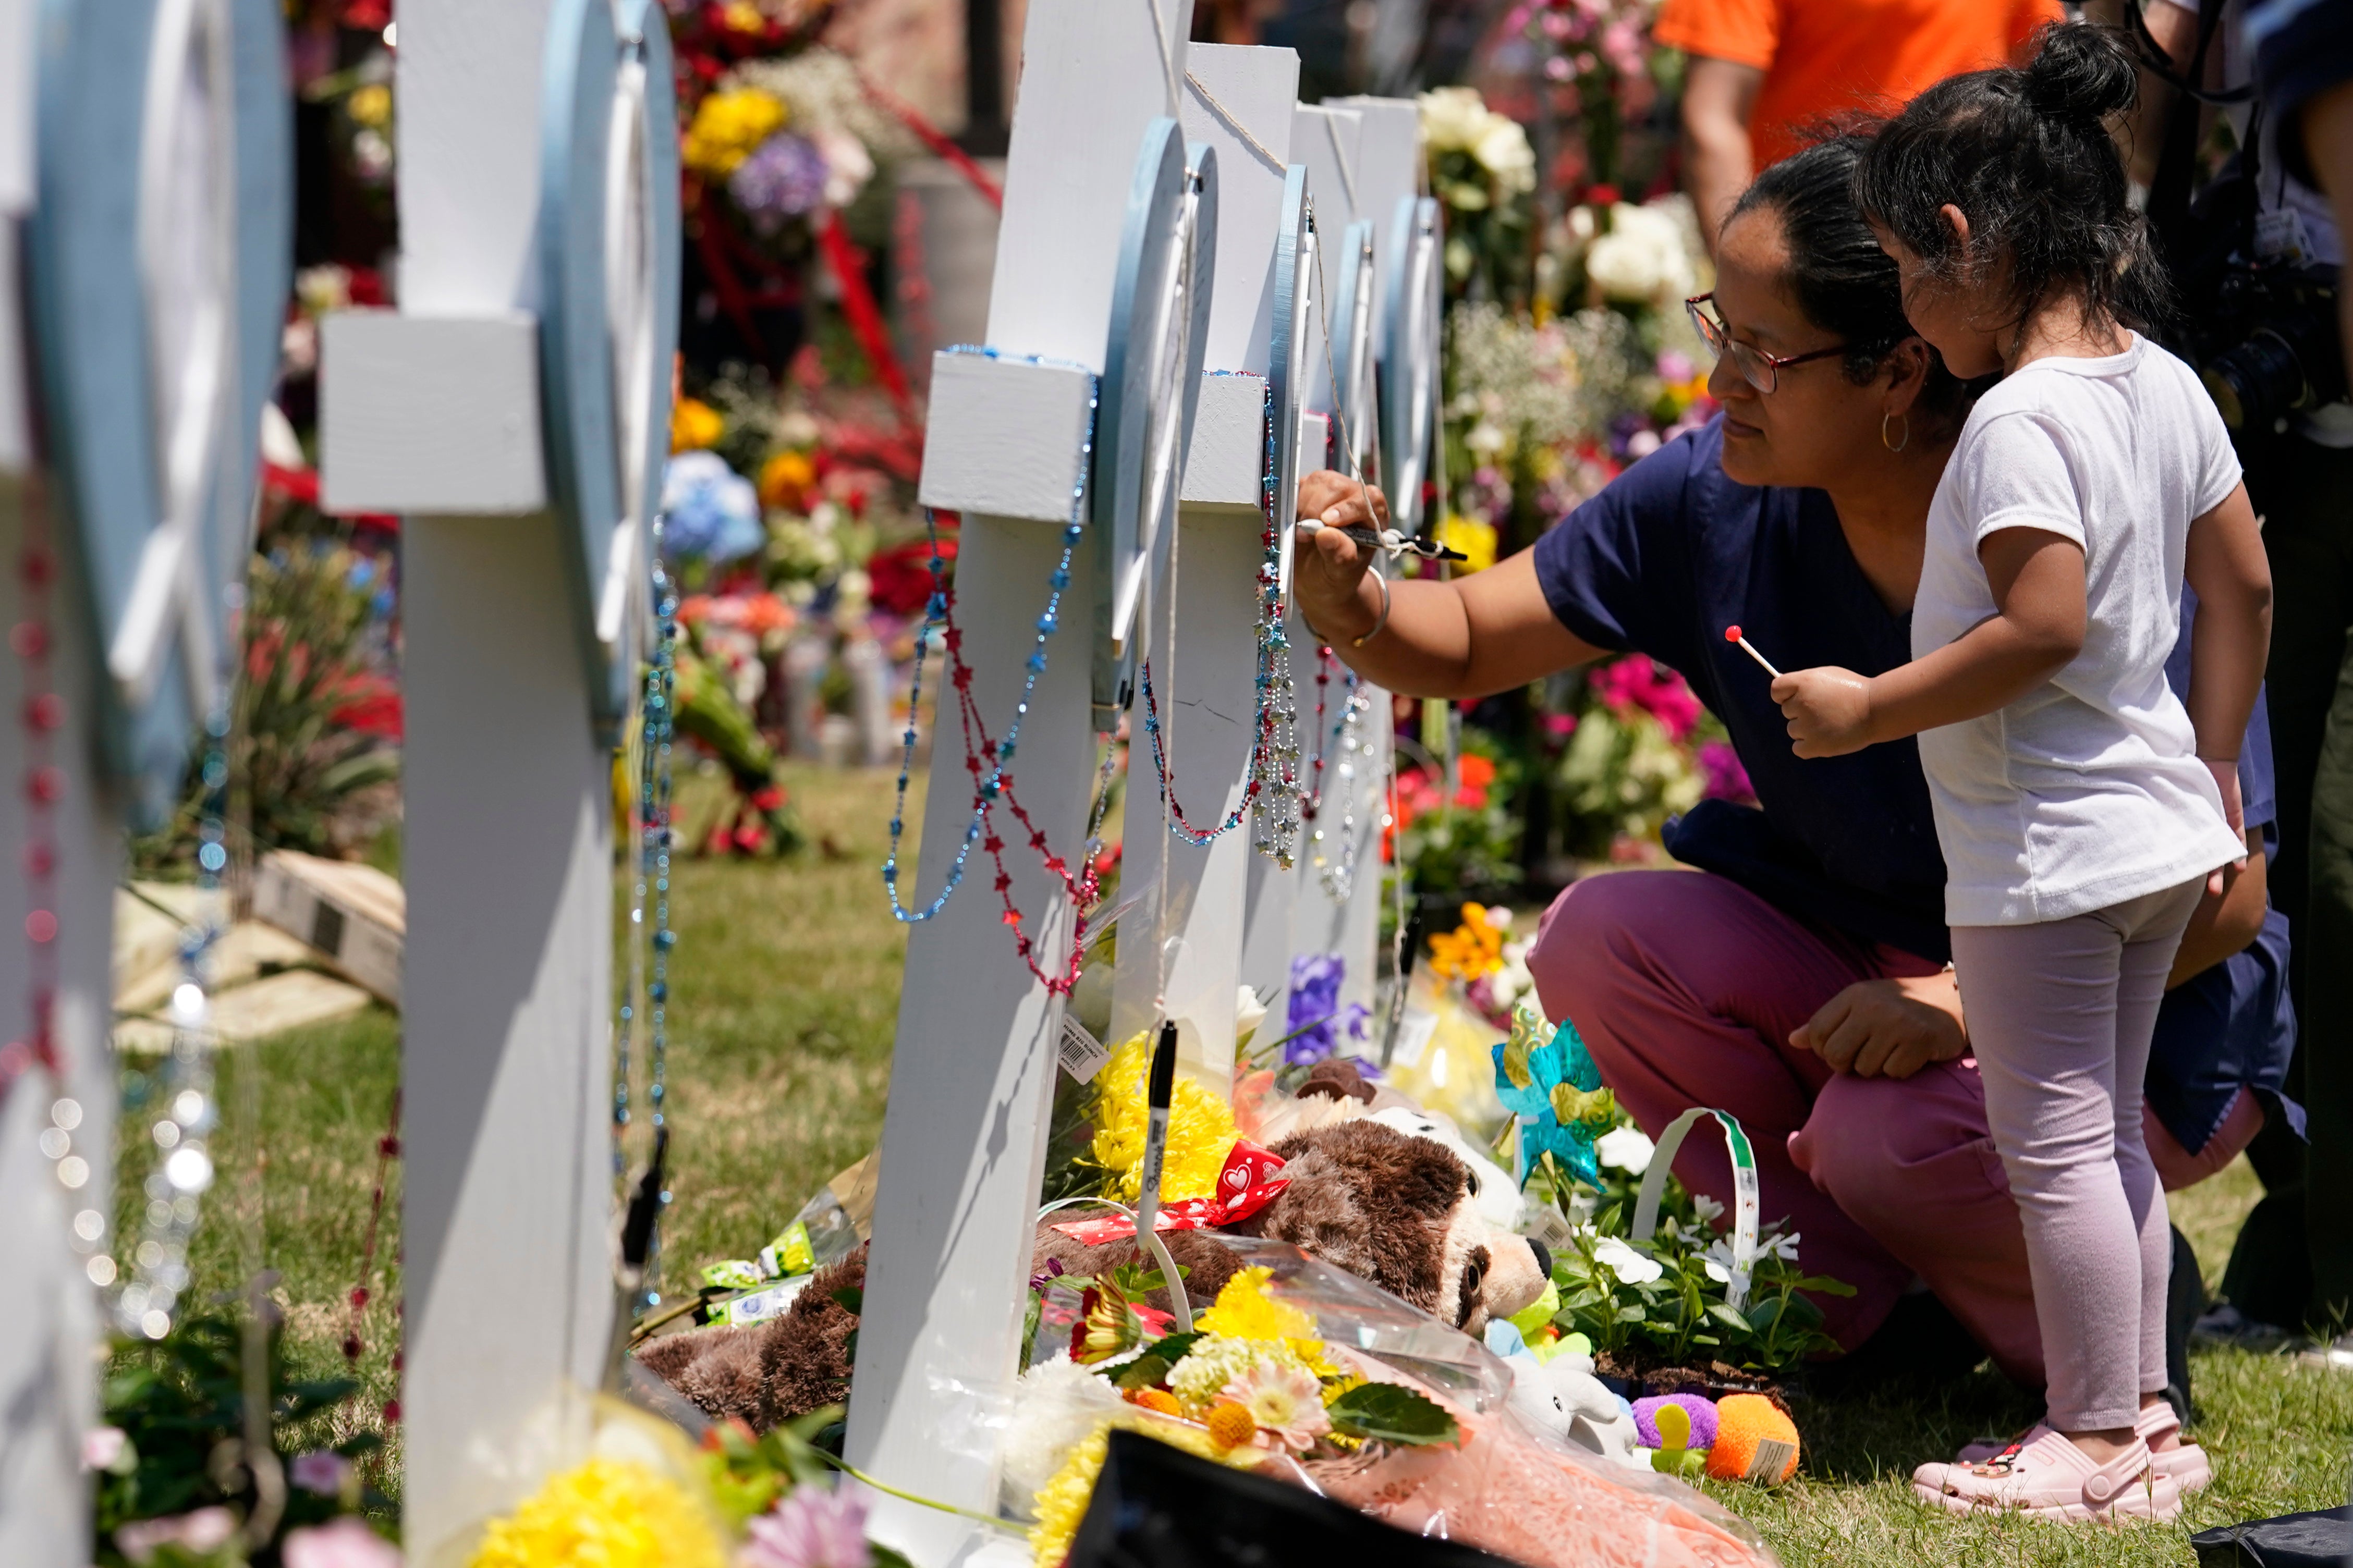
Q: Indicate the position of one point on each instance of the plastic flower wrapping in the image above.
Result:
(1304, 1372)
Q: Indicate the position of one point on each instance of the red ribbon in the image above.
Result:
(933, 137)
(849, 266)
(1249, 1183)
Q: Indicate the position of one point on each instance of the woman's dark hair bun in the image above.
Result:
(2080, 72)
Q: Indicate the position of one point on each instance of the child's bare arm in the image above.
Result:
(2035, 631)
(2232, 639)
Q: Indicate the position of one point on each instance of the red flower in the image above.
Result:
(369, 704)
(901, 575)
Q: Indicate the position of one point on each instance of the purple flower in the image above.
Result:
(1046, 1276)
(319, 1471)
(1727, 779)
(813, 1527)
(1315, 1006)
(783, 177)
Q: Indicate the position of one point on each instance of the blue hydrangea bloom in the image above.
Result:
(711, 512)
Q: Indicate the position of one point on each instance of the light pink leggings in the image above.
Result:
(2060, 1017)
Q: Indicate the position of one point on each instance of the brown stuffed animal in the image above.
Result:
(766, 1373)
(1397, 1210)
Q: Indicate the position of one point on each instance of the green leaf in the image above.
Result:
(1727, 1316)
(1823, 1285)
(1150, 1369)
(1631, 1315)
(852, 1298)
(1386, 1413)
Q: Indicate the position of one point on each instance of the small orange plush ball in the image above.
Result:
(1745, 1423)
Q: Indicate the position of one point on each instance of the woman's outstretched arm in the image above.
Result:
(1470, 638)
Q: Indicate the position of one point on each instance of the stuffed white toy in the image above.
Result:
(1562, 1396)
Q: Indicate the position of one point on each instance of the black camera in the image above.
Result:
(2266, 345)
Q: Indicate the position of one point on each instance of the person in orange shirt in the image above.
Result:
(1763, 71)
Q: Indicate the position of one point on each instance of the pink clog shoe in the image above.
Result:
(2185, 1464)
(2049, 1477)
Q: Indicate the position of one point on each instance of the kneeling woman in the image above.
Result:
(1800, 981)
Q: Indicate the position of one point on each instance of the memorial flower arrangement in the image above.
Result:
(1638, 1306)
(1252, 1381)
(1463, 843)
(1484, 170)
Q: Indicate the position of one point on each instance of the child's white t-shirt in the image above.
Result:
(2087, 791)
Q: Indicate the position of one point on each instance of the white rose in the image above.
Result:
(1503, 149)
(1452, 118)
(1642, 259)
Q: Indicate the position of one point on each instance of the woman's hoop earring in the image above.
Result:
(1895, 445)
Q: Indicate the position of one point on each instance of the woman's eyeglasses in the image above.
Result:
(1759, 369)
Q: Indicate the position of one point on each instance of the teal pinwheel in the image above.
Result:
(1553, 1087)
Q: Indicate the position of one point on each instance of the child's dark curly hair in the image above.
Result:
(1843, 281)
(2025, 152)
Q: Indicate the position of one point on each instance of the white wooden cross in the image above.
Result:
(1380, 139)
(972, 1073)
(146, 185)
(1191, 973)
(514, 409)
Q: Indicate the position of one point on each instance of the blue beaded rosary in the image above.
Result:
(935, 618)
(654, 843)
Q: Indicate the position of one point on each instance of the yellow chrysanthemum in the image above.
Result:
(1061, 1502)
(1201, 1131)
(694, 425)
(727, 126)
(1244, 1310)
(609, 1513)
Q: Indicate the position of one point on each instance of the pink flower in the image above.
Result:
(1727, 779)
(1287, 1402)
(345, 1542)
(1560, 726)
(813, 1527)
(102, 1447)
(319, 1471)
(1639, 682)
(206, 1530)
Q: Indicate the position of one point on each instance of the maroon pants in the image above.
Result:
(1686, 987)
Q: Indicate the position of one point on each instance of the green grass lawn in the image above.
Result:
(785, 986)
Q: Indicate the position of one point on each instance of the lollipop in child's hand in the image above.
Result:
(1732, 635)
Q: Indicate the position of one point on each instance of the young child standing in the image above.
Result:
(2080, 805)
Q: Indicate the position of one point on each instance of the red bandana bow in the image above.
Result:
(1252, 1177)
